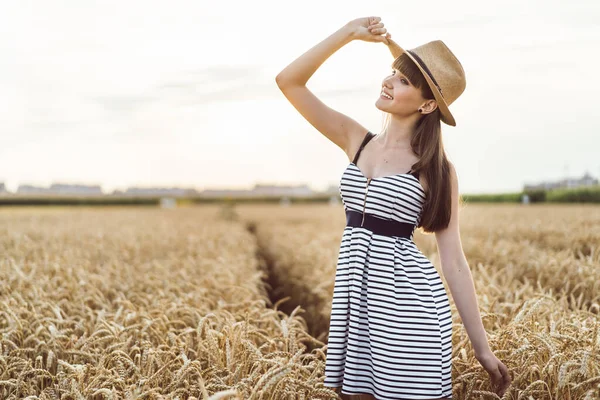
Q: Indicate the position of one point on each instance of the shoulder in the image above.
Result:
(453, 175)
(453, 182)
(356, 138)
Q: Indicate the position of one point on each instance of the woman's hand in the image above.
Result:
(499, 377)
(369, 29)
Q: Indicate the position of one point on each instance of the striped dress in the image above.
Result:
(390, 331)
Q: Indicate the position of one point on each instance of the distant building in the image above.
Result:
(286, 190)
(154, 191)
(261, 190)
(585, 180)
(31, 189)
(61, 188)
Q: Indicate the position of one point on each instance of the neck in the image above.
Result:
(398, 133)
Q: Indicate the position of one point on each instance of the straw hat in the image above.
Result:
(442, 71)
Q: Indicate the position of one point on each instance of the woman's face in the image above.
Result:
(406, 98)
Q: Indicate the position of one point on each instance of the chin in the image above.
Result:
(379, 105)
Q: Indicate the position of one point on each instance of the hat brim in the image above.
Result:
(447, 116)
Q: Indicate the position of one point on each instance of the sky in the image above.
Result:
(182, 93)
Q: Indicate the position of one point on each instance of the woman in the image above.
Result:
(390, 333)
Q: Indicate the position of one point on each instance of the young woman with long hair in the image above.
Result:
(390, 334)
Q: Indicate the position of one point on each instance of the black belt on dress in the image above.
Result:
(378, 225)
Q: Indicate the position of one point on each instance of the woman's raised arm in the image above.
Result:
(342, 130)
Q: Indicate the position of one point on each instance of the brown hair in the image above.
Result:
(426, 142)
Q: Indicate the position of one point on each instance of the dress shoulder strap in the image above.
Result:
(368, 137)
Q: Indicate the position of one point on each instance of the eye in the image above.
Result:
(402, 79)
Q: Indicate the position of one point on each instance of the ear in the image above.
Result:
(429, 106)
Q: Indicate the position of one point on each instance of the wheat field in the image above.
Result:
(216, 302)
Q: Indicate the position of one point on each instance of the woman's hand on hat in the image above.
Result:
(369, 29)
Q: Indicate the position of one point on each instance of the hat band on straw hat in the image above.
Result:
(426, 70)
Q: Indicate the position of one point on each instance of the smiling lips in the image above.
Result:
(386, 96)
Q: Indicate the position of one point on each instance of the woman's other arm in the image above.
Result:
(458, 276)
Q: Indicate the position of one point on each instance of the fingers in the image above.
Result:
(377, 31)
(377, 28)
(501, 378)
(383, 40)
(496, 376)
(505, 375)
